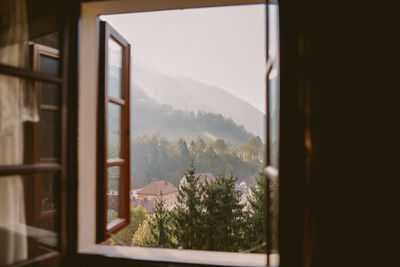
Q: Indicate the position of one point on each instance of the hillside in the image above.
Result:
(149, 117)
(190, 95)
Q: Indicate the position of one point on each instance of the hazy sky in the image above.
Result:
(223, 46)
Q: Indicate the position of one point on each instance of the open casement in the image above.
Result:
(43, 140)
(113, 182)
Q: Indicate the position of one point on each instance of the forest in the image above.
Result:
(153, 157)
(208, 216)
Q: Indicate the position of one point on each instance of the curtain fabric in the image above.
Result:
(17, 104)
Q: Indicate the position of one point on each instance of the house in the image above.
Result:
(245, 186)
(153, 191)
(148, 204)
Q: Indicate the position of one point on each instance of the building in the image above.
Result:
(156, 188)
(148, 204)
(245, 187)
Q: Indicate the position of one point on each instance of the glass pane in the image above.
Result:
(50, 40)
(48, 197)
(114, 131)
(49, 134)
(22, 22)
(49, 65)
(114, 68)
(274, 107)
(273, 84)
(18, 114)
(50, 94)
(113, 199)
(25, 232)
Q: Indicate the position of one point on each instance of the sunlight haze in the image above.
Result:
(223, 46)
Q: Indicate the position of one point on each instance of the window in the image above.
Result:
(88, 66)
(44, 138)
(33, 133)
(272, 171)
(113, 135)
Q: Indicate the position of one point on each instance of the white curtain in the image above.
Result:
(17, 105)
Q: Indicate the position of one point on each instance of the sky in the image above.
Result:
(222, 46)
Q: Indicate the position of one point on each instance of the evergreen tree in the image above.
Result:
(255, 217)
(223, 219)
(187, 213)
(160, 227)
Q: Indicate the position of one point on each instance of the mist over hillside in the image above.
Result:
(149, 117)
(189, 95)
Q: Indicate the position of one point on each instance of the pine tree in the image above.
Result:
(255, 218)
(187, 213)
(160, 227)
(223, 218)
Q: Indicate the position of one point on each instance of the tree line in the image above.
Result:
(208, 216)
(155, 157)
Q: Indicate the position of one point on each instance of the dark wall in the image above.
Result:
(339, 93)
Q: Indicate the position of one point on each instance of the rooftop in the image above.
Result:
(157, 187)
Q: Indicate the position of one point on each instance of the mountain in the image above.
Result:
(190, 95)
(149, 117)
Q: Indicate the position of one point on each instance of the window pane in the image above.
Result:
(114, 131)
(48, 197)
(49, 65)
(273, 120)
(18, 115)
(22, 22)
(113, 197)
(50, 94)
(273, 84)
(25, 231)
(114, 68)
(49, 134)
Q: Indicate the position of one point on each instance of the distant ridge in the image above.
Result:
(190, 95)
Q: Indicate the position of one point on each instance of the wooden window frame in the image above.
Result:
(32, 165)
(102, 229)
(33, 136)
(88, 251)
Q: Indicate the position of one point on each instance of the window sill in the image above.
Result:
(181, 256)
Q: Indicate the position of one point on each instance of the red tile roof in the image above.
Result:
(156, 187)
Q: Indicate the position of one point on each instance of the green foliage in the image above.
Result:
(222, 216)
(150, 117)
(208, 215)
(160, 226)
(255, 217)
(155, 157)
(187, 213)
(143, 236)
(124, 237)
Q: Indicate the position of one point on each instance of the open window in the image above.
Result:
(33, 133)
(97, 87)
(113, 133)
(45, 139)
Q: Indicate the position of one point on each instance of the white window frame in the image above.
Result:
(87, 117)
